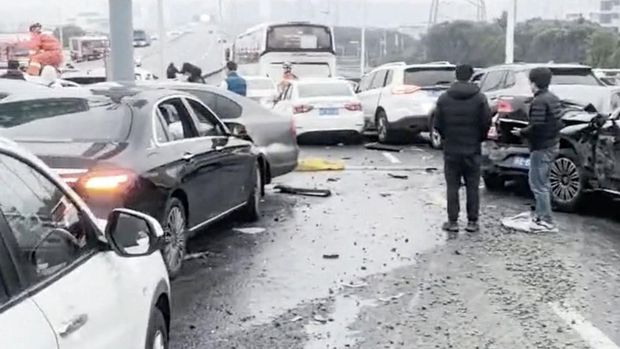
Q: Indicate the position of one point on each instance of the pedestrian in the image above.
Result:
(45, 50)
(463, 119)
(193, 73)
(287, 76)
(543, 136)
(172, 71)
(13, 71)
(234, 82)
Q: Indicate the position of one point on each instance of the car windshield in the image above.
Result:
(429, 77)
(574, 77)
(310, 90)
(260, 84)
(139, 35)
(65, 119)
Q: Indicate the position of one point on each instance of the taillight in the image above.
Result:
(353, 106)
(504, 106)
(106, 180)
(405, 89)
(300, 109)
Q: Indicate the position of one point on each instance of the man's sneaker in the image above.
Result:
(473, 227)
(540, 226)
(451, 227)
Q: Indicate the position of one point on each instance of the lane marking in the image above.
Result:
(590, 334)
(391, 157)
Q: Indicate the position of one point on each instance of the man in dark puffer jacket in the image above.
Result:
(463, 119)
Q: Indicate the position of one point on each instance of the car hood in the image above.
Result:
(71, 154)
(598, 96)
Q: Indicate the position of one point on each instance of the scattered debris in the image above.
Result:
(297, 318)
(385, 195)
(431, 169)
(331, 256)
(397, 176)
(457, 252)
(315, 164)
(384, 147)
(360, 285)
(320, 319)
(199, 255)
(285, 189)
(250, 230)
(333, 179)
(392, 298)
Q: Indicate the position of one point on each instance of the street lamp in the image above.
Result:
(162, 38)
(510, 32)
(363, 40)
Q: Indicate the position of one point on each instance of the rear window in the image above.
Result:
(429, 77)
(574, 77)
(65, 119)
(325, 90)
(260, 84)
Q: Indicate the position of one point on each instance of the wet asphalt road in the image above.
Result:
(397, 281)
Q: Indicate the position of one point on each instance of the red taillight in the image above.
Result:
(104, 180)
(405, 89)
(300, 109)
(353, 106)
(504, 106)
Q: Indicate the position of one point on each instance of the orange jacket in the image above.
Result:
(45, 50)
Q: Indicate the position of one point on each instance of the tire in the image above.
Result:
(567, 181)
(175, 227)
(251, 209)
(434, 137)
(493, 182)
(157, 333)
(385, 135)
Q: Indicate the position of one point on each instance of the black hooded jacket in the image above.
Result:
(462, 118)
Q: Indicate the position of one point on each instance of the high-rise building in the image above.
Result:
(608, 14)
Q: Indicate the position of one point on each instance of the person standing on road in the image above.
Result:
(543, 135)
(287, 76)
(13, 71)
(234, 82)
(463, 119)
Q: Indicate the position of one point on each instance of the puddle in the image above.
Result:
(335, 333)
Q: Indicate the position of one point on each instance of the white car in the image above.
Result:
(399, 99)
(63, 282)
(322, 106)
(261, 89)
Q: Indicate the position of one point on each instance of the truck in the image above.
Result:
(88, 48)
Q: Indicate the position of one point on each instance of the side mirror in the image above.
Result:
(133, 234)
(239, 131)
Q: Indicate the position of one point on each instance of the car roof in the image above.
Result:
(529, 66)
(9, 87)
(320, 81)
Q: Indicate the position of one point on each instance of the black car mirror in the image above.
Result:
(133, 234)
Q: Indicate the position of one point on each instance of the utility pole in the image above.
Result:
(121, 41)
(433, 14)
(163, 38)
(363, 40)
(510, 32)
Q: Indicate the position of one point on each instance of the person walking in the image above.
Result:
(543, 136)
(13, 71)
(234, 82)
(463, 119)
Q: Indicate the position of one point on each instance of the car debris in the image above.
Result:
(331, 256)
(285, 189)
(383, 147)
(392, 298)
(198, 255)
(250, 230)
(397, 176)
(352, 285)
(297, 318)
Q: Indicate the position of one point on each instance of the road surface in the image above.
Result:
(369, 267)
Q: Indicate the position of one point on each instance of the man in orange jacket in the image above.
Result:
(44, 50)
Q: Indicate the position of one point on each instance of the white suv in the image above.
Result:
(65, 284)
(399, 99)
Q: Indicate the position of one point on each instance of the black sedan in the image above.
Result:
(160, 152)
(589, 157)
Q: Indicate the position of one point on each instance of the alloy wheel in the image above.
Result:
(175, 232)
(435, 139)
(565, 180)
(382, 128)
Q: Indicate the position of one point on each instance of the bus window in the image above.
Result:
(299, 37)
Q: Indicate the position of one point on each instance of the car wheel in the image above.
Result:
(493, 182)
(434, 136)
(383, 128)
(567, 181)
(251, 210)
(157, 334)
(175, 226)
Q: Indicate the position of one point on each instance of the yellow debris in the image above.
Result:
(317, 164)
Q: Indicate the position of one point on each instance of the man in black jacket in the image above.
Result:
(543, 135)
(463, 119)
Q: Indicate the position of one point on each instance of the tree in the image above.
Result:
(68, 32)
(603, 49)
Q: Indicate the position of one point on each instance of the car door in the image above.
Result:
(184, 161)
(22, 324)
(236, 162)
(370, 98)
(87, 296)
(607, 152)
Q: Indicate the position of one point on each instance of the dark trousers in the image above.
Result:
(459, 167)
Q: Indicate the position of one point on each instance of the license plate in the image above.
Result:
(521, 162)
(328, 111)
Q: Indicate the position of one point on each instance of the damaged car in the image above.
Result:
(588, 161)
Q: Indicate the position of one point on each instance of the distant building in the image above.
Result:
(608, 14)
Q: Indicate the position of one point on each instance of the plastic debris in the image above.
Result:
(397, 176)
(285, 189)
(392, 298)
(383, 147)
(199, 255)
(331, 256)
(250, 230)
(297, 318)
(360, 285)
(316, 164)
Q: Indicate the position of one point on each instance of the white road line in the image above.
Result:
(592, 335)
(392, 158)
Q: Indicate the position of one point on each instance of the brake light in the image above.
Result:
(107, 180)
(504, 106)
(405, 89)
(353, 106)
(300, 109)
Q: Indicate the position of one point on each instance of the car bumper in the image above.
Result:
(413, 123)
(282, 158)
(504, 160)
(353, 122)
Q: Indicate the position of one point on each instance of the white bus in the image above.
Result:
(262, 50)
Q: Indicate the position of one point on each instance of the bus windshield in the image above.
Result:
(299, 37)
